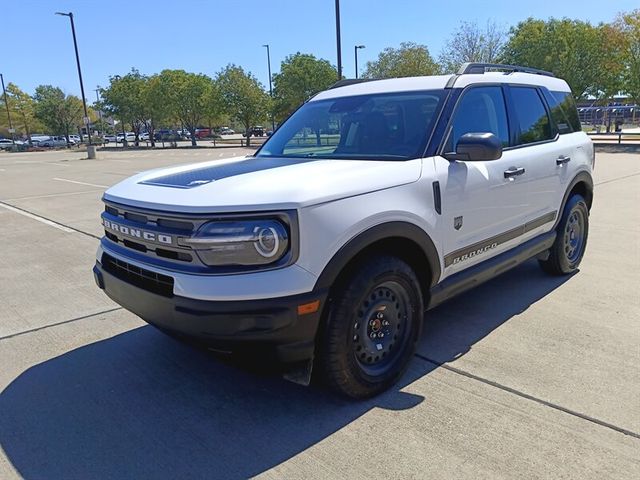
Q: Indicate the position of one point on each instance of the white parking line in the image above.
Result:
(33, 197)
(36, 217)
(81, 183)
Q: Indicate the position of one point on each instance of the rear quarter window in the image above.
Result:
(563, 106)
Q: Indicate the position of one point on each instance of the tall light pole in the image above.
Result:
(91, 153)
(273, 122)
(355, 50)
(6, 104)
(99, 111)
(338, 40)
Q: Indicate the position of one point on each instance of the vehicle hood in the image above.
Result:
(254, 184)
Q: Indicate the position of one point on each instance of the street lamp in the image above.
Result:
(99, 110)
(355, 49)
(6, 104)
(91, 152)
(338, 40)
(273, 123)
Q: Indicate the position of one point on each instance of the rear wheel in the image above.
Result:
(372, 328)
(572, 232)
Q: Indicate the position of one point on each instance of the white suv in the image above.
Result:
(374, 202)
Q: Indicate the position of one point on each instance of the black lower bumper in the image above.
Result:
(270, 325)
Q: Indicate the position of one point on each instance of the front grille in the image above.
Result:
(135, 219)
(140, 277)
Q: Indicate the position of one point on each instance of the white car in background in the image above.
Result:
(128, 136)
(7, 143)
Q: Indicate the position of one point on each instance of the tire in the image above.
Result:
(568, 249)
(381, 299)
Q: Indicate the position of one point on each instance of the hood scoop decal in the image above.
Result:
(202, 176)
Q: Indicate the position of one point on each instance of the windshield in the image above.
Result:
(372, 127)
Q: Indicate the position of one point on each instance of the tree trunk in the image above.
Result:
(248, 130)
(192, 131)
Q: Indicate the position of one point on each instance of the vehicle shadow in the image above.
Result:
(141, 405)
(451, 329)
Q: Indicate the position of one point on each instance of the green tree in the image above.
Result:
(60, 113)
(409, 60)
(571, 49)
(22, 108)
(243, 96)
(187, 95)
(124, 99)
(301, 77)
(629, 25)
(470, 43)
(155, 107)
(214, 113)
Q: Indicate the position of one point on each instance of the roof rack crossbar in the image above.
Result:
(473, 67)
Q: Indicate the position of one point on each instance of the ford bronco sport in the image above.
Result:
(374, 202)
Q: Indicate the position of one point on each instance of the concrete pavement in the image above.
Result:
(528, 376)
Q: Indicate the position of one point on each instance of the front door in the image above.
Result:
(484, 203)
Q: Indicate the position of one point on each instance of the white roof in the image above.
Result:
(437, 82)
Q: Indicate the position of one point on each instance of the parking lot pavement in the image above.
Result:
(527, 376)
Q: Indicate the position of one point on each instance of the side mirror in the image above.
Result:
(476, 147)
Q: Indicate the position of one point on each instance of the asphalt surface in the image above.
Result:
(528, 376)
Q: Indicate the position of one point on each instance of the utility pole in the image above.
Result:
(273, 122)
(91, 151)
(338, 40)
(6, 104)
(355, 49)
(99, 111)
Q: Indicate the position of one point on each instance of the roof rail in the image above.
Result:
(349, 81)
(472, 67)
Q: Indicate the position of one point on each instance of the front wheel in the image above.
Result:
(568, 249)
(372, 328)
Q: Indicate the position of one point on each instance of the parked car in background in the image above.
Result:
(167, 136)
(144, 136)
(203, 132)
(7, 143)
(75, 138)
(128, 136)
(227, 131)
(56, 141)
(108, 138)
(257, 131)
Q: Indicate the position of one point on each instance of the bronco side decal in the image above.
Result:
(484, 246)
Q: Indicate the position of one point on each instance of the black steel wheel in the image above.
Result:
(372, 328)
(572, 231)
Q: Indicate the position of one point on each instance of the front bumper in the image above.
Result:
(270, 325)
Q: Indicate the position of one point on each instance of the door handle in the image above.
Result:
(562, 159)
(513, 172)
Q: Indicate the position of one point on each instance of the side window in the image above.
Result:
(533, 120)
(568, 105)
(481, 110)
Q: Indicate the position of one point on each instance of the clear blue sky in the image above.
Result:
(203, 36)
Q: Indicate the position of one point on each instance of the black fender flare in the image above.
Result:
(581, 177)
(396, 229)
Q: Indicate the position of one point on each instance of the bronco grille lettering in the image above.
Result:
(134, 232)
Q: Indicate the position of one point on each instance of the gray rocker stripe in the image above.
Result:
(490, 243)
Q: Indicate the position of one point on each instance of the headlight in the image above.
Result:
(242, 242)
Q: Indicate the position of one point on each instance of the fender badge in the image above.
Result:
(457, 223)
